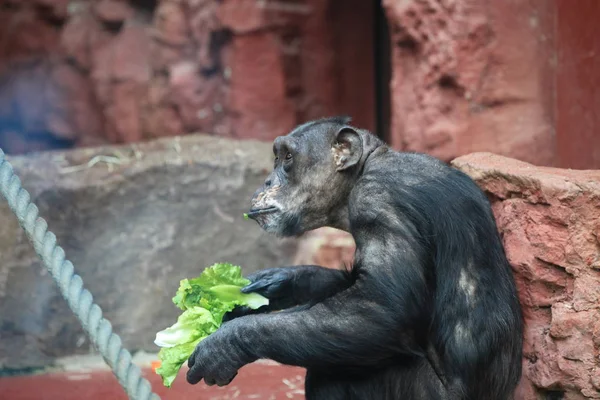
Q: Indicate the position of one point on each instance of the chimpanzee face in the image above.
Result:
(311, 179)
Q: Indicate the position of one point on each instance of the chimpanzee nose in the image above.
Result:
(259, 193)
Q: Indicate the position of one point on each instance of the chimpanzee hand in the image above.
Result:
(218, 358)
(273, 283)
(276, 284)
(286, 287)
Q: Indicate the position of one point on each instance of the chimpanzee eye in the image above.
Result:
(288, 156)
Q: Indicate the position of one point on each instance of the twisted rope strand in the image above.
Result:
(80, 300)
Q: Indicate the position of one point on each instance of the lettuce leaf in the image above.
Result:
(178, 341)
(204, 301)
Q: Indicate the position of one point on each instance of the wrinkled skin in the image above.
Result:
(311, 181)
(429, 309)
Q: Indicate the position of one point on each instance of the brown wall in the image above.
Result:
(470, 76)
(85, 72)
(578, 84)
(515, 77)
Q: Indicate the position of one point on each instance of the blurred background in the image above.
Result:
(142, 127)
(448, 77)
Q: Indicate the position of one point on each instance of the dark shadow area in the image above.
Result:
(144, 5)
(361, 43)
(383, 72)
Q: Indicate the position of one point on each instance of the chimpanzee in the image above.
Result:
(429, 310)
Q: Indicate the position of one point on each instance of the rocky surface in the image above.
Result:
(466, 75)
(134, 220)
(550, 223)
(471, 75)
(85, 72)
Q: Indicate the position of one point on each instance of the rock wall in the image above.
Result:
(88, 72)
(550, 223)
(513, 77)
(134, 220)
(473, 75)
(112, 71)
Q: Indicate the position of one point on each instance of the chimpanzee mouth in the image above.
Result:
(262, 211)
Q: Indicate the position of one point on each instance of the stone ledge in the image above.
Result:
(549, 220)
(506, 177)
(156, 213)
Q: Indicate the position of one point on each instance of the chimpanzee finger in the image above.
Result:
(193, 375)
(257, 287)
(192, 359)
(209, 381)
(226, 381)
(255, 276)
(237, 312)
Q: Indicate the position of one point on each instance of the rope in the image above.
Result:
(80, 300)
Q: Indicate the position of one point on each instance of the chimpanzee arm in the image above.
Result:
(298, 284)
(287, 287)
(367, 324)
(360, 326)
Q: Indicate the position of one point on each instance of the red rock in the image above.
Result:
(113, 10)
(131, 55)
(242, 16)
(57, 113)
(203, 24)
(80, 36)
(578, 347)
(80, 110)
(26, 36)
(257, 89)
(596, 378)
(548, 241)
(125, 111)
(195, 97)
(195, 5)
(162, 121)
(120, 75)
(170, 22)
(547, 218)
(57, 8)
(158, 91)
(463, 79)
(163, 55)
(586, 293)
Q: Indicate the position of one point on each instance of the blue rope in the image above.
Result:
(79, 299)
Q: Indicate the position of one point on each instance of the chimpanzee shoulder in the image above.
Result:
(413, 184)
(407, 180)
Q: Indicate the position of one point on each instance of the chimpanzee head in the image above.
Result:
(314, 170)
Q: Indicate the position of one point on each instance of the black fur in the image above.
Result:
(429, 310)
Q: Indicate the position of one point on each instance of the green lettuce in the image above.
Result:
(204, 301)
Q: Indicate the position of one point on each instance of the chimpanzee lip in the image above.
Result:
(260, 211)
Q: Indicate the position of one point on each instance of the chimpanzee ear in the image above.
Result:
(347, 148)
